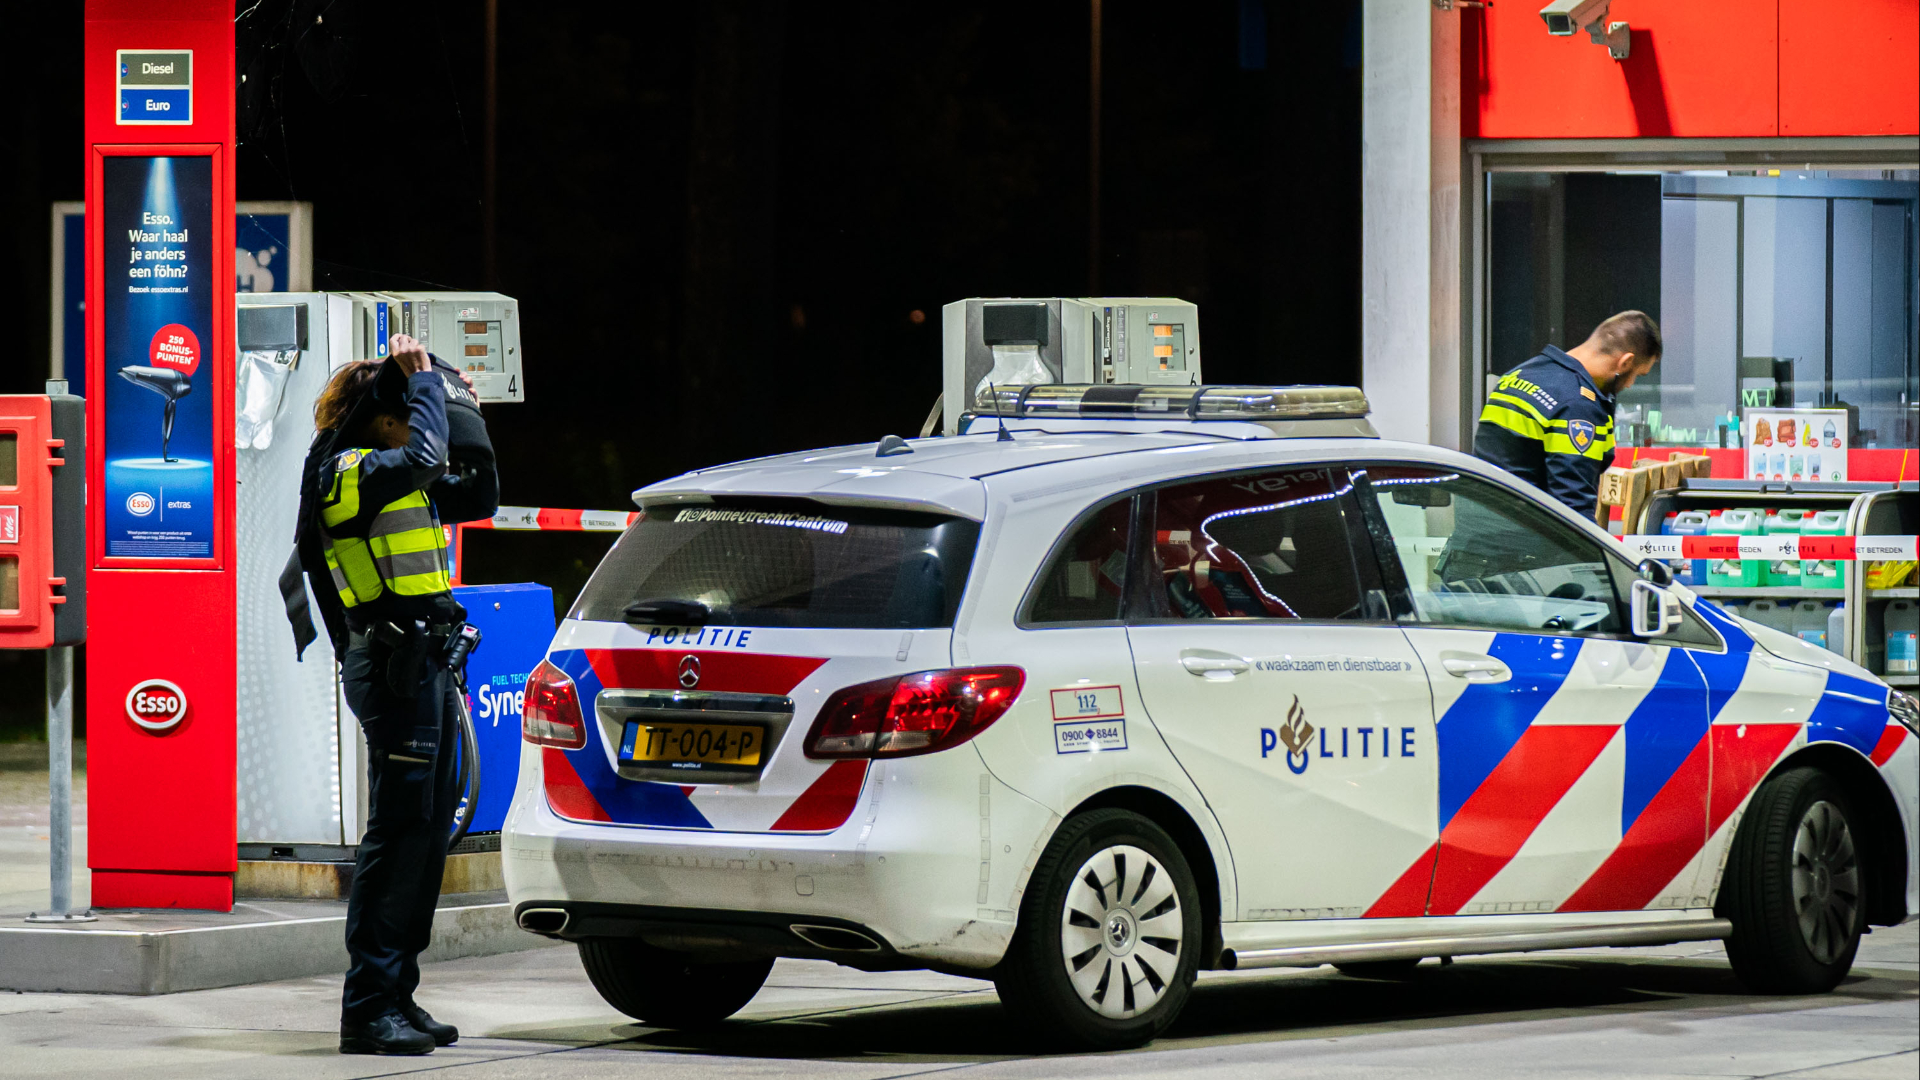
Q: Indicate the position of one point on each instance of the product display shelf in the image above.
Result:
(1766, 592)
(1882, 509)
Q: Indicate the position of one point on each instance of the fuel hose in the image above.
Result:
(468, 777)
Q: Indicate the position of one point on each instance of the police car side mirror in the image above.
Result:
(1655, 611)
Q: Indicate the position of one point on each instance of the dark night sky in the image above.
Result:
(718, 217)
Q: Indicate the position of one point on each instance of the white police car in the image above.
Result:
(1139, 682)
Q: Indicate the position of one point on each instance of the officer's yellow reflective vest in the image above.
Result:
(404, 549)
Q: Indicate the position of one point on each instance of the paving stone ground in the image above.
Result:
(1674, 1011)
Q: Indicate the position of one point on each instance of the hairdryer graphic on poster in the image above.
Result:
(158, 313)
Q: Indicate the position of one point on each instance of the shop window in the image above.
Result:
(1794, 290)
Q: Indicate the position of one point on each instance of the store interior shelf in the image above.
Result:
(1767, 592)
(1910, 592)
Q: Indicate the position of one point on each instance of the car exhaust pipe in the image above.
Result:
(548, 921)
(834, 938)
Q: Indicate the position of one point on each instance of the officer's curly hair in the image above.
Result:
(343, 392)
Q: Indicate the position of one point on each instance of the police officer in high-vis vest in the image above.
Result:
(380, 481)
(1550, 420)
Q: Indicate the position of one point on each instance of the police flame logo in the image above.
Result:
(1296, 734)
(689, 671)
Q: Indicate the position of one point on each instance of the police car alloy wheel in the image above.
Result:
(1109, 931)
(1795, 889)
(667, 989)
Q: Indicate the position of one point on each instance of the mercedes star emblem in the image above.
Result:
(689, 671)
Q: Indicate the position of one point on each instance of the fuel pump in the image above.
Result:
(1011, 341)
(302, 761)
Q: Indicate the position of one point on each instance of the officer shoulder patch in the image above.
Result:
(347, 460)
(1581, 433)
(1588, 394)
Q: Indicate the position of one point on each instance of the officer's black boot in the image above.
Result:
(389, 1033)
(422, 1020)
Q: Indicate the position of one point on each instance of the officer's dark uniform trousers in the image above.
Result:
(410, 804)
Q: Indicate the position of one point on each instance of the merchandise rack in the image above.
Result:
(1873, 509)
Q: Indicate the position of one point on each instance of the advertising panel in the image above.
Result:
(273, 247)
(1795, 444)
(158, 438)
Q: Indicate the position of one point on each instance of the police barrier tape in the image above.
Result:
(1826, 548)
(535, 519)
(548, 519)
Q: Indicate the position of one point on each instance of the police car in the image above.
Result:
(1121, 684)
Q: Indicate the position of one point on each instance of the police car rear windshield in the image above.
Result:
(789, 562)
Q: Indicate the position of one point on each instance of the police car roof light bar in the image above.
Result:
(1141, 402)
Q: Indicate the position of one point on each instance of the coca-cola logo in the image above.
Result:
(156, 705)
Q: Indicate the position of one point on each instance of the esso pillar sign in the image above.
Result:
(156, 705)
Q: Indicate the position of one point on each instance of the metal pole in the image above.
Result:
(489, 183)
(1093, 153)
(60, 789)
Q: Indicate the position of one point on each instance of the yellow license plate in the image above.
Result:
(693, 746)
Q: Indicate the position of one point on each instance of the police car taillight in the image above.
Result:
(551, 715)
(912, 714)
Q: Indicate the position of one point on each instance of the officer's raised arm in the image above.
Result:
(417, 442)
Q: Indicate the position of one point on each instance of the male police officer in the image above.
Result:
(377, 485)
(1550, 420)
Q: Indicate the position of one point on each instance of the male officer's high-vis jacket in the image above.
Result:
(1549, 424)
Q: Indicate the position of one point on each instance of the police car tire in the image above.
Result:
(1034, 986)
(665, 989)
(1769, 950)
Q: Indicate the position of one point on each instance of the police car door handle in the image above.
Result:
(1475, 667)
(1212, 665)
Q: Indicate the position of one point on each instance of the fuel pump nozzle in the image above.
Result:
(169, 384)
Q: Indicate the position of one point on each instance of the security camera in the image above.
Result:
(1564, 17)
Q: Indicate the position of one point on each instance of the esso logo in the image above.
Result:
(140, 504)
(156, 705)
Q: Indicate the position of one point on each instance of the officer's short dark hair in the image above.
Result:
(1629, 332)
